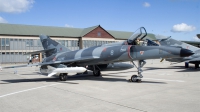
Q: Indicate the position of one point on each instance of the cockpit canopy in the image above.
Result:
(139, 33)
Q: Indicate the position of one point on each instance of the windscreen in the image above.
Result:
(139, 33)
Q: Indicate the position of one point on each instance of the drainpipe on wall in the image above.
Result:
(80, 42)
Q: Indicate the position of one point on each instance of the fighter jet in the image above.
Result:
(168, 41)
(60, 61)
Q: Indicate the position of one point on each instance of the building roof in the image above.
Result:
(16, 29)
(33, 30)
(122, 35)
(87, 30)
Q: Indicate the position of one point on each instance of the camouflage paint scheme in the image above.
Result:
(104, 54)
(58, 57)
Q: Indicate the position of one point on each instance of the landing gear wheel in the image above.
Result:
(196, 65)
(97, 73)
(186, 65)
(134, 78)
(139, 80)
(63, 76)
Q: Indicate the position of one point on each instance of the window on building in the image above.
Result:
(3, 42)
(62, 42)
(94, 43)
(72, 43)
(7, 42)
(39, 43)
(76, 43)
(66, 43)
(99, 34)
(58, 41)
(27, 42)
(98, 43)
(85, 43)
(31, 42)
(69, 43)
(91, 43)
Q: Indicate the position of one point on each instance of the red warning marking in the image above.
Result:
(129, 55)
(141, 52)
(54, 59)
(104, 49)
(61, 49)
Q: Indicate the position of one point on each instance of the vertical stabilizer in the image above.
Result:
(48, 43)
(173, 42)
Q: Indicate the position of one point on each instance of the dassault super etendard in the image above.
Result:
(61, 61)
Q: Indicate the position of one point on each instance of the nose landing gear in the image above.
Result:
(137, 78)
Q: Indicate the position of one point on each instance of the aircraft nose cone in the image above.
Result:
(186, 52)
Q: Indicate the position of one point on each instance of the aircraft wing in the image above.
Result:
(194, 43)
(41, 51)
(194, 59)
(84, 59)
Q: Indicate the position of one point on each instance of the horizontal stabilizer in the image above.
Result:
(17, 66)
(20, 66)
(41, 51)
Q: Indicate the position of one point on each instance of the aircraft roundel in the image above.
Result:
(111, 52)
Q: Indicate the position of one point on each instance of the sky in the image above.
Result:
(179, 19)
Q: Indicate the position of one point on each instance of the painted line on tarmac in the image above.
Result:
(165, 80)
(9, 94)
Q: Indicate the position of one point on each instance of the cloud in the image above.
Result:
(2, 20)
(15, 6)
(146, 4)
(195, 38)
(182, 28)
(66, 25)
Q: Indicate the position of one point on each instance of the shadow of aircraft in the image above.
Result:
(180, 68)
(75, 78)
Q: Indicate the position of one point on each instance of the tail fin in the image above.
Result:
(48, 43)
(173, 42)
(151, 43)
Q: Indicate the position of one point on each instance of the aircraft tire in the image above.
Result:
(134, 78)
(97, 73)
(186, 65)
(139, 80)
(196, 65)
(63, 76)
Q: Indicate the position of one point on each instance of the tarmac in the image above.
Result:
(164, 88)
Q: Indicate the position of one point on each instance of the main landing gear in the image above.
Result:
(187, 65)
(96, 71)
(63, 76)
(137, 78)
